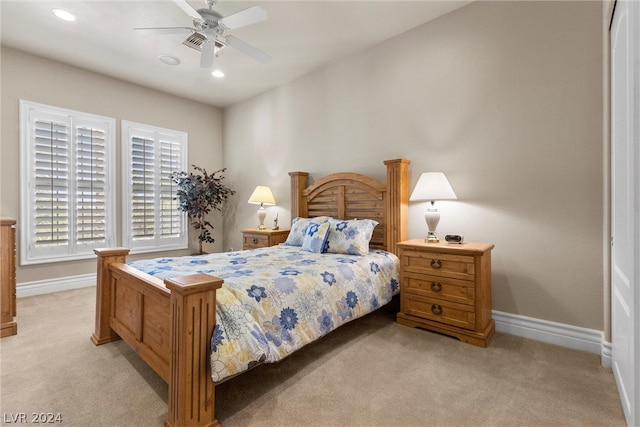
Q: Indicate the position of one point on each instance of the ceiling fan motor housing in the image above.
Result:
(209, 21)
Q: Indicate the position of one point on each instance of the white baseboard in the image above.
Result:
(589, 340)
(39, 287)
(577, 338)
(606, 356)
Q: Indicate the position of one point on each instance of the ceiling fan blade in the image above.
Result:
(188, 9)
(164, 30)
(247, 49)
(244, 17)
(206, 57)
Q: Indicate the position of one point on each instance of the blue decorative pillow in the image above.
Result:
(316, 237)
(350, 236)
(299, 228)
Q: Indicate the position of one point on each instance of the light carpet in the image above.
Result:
(370, 372)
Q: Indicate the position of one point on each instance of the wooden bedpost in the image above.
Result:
(397, 205)
(103, 332)
(193, 318)
(298, 203)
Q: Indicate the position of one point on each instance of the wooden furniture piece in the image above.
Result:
(253, 238)
(8, 277)
(446, 288)
(170, 324)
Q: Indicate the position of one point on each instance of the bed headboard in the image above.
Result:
(348, 195)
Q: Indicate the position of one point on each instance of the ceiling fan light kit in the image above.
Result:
(209, 31)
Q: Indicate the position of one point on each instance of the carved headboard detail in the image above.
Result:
(348, 195)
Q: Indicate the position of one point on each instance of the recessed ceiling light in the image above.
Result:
(217, 73)
(64, 15)
(169, 60)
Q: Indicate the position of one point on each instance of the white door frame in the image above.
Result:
(625, 205)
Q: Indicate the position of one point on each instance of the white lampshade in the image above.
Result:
(262, 195)
(432, 186)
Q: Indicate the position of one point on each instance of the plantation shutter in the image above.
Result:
(152, 155)
(171, 219)
(91, 187)
(143, 188)
(67, 206)
(51, 184)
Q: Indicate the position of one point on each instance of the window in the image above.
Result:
(67, 182)
(152, 221)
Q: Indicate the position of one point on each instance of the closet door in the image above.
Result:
(625, 218)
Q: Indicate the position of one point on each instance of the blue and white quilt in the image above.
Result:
(276, 300)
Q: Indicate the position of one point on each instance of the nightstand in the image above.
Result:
(254, 238)
(446, 288)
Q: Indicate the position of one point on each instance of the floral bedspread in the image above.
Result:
(276, 300)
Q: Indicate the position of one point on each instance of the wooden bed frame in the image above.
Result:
(170, 324)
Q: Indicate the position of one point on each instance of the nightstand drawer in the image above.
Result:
(253, 241)
(438, 264)
(253, 238)
(460, 291)
(439, 310)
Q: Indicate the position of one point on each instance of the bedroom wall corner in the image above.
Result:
(34, 78)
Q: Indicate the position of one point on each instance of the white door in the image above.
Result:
(625, 203)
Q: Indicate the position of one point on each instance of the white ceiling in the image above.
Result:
(300, 36)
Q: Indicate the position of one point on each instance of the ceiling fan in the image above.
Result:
(209, 31)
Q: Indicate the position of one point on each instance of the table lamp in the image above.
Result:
(432, 186)
(262, 196)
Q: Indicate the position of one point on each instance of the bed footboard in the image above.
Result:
(193, 318)
(169, 325)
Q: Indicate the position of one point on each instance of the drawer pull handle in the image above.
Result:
(436, 263)
(436, 286)
(436, 309)
(255, 241)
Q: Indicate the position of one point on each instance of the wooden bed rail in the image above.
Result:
(168, 324)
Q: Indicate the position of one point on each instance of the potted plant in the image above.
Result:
(198, 194)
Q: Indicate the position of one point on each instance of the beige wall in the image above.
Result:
(506, 98)
(37, 79)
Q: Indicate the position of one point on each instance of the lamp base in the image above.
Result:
(262, 213)
(432, 217)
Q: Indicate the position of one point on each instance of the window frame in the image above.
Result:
(30, 252)
(129, 130)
